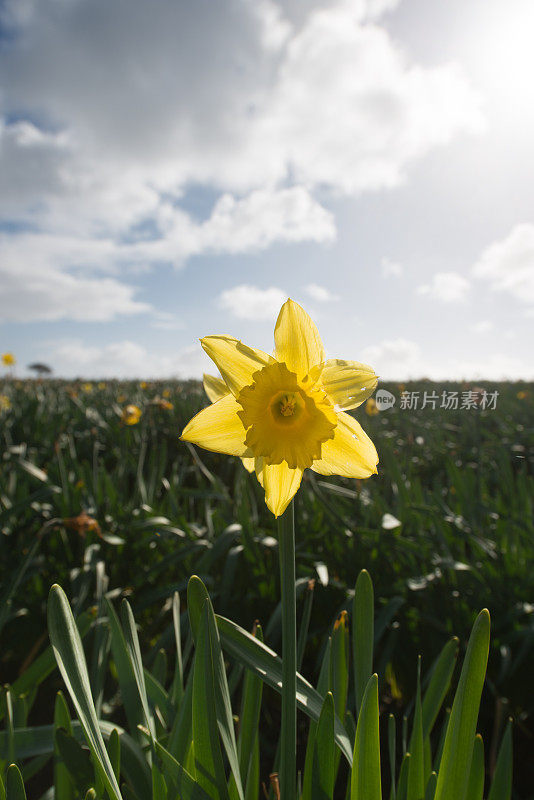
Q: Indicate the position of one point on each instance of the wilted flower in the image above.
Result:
(131, 415)
(287, 412)
(82, 524)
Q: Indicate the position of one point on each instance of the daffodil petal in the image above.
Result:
(297, 340)
(249, 464)
(348, 383)
(350, 453)
(237, 363)
(215, 388)
(218, 428)
(280, 483)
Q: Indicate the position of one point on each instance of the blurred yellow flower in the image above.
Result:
(166, 393)
(371, 407)
(5, 402)
(102, 385)
(161, 403)
(87, 387)
(143, 385)
(522, 395)
(8, 359)
(131, 415)
(121, 398)
(286, 412)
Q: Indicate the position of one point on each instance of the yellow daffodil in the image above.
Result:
(287, 412)
(8, 359)
(131, 415)
(522, 395)
(371, 407)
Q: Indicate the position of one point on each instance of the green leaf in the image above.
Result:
(362, 634)
(132, 703)
(177, 691)
(180, 735)
(63, 784)
(70, 657)
(114, 752)
(475, 787)
(305, 622)
(402, 786)
(264, 661)
(431, 787)
(392, 750)
(250, 716)
(440, 681)
(319, 774)
(76, 760)
(188, 788)
(323, 686)
(365, 779)
(416, 770)
(455, 763)
(501, 785)
(14, 784)
(223, 708)
(208, 756)
(134, 652)
(39, 740)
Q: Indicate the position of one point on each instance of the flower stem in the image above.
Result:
(288, 737)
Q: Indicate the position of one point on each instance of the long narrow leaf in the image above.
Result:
(501, 785)
(362, 634)
(70, 657)
(264, 661)
(365, 779)
(455, 763)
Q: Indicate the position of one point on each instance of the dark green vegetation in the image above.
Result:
(461, 484)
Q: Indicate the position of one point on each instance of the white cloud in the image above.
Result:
(40, 291)
(391, 268)
(264, 217)
(122, 359)
(125, 107)
(403, 359)
(251, 302)
(394, 359)
(449, 287)
(40, 272)
(320, 293)
(484, 326)
(508, 264)
(333, 102)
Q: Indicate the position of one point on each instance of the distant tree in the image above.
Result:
(40, 369)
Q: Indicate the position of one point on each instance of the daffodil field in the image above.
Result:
(130, 679)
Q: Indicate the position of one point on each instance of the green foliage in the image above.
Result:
(459, 483)
(204, 759)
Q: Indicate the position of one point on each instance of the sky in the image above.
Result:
(174, 169)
